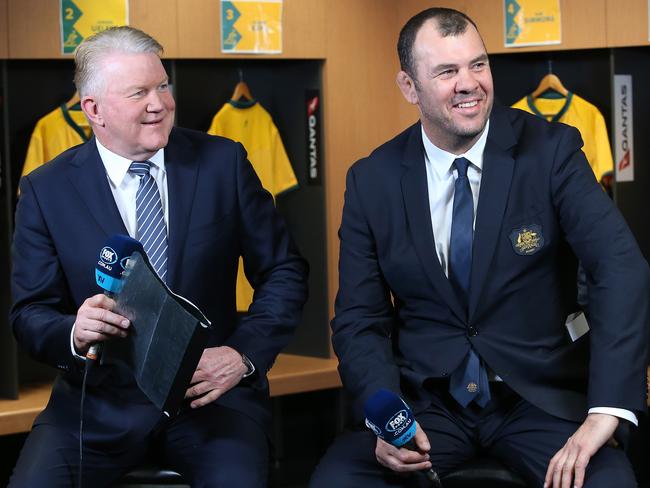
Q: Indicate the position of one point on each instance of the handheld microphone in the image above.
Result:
(391, 419)
(108, 271)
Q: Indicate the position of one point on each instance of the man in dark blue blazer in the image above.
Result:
(212, 210)
(459, 247)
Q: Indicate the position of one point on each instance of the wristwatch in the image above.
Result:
(250, 368)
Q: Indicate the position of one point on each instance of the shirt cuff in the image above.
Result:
(74, 352)
(617, 412)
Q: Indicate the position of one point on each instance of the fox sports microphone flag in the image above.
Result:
(112, 262)
(390, 418)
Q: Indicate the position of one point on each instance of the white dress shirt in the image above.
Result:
(124, 186)
(441, 179)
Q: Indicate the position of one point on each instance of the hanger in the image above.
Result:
(241, 89)
(74, 102)
(550, 83)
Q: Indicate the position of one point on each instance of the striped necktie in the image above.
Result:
(469, 381)
(152, 231)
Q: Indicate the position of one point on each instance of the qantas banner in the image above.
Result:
(623, 128)
(312, 102)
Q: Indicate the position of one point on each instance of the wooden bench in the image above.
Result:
(290, 374)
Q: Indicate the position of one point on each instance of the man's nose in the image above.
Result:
(154, 103)
(466, 81)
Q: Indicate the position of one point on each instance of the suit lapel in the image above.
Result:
(182, 170)
(416, 201)
(88, 175)
(498, 166)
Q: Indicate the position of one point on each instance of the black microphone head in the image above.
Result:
(112, 261)
(390, 418)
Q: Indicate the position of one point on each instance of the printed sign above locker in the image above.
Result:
(83, 18)
(532, 22)
(251, 26)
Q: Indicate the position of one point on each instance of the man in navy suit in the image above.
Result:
(459, 247)
(211, 210)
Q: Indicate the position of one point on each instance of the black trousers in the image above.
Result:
(212, 446)
(510, 429)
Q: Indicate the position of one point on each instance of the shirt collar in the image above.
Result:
(442, 160)
(117, 166)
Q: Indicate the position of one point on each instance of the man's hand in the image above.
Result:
(95, 323)
(403, 460)
(567, 467)
(219, 370)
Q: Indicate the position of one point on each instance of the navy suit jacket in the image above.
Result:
(398, 323)
(217, 212)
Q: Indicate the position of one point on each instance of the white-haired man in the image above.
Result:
(208, 209)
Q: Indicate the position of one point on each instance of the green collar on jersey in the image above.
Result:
(557, 116)
(72, 123)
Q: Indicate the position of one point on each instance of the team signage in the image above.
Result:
(532, 22)
(251, 26)
(623, 128)
(83, 18)
(312, 102)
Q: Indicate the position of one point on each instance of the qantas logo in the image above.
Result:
(312, 105)
(625, 162)
(312, 137)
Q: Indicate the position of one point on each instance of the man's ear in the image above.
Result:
(91, 109)
(407, 86)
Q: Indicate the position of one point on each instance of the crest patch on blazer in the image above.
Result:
(527, 240)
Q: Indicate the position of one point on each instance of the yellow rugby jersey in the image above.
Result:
(54, 133)
(584, 116)
(250, 124)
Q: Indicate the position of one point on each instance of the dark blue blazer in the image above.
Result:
(217, 212)
(398, 323)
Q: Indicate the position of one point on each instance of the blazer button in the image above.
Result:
(471, 332)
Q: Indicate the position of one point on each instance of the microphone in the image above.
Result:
(108, 271)
(391, 419)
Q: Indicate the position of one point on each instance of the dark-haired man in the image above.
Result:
(457, 271)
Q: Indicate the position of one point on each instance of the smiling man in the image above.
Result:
(458, 259)
(196, 205)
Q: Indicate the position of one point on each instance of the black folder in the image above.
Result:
(167, 336)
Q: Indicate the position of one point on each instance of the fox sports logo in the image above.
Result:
(398, 421)
(108, 255)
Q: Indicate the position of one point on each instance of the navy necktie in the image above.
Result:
(469, 381)
(152, 231)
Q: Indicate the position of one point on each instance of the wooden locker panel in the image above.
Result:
(361, 98)
(303, 25)
(627, 23)
(583, 22)
(34, 29)
(583, 25)
(158, 19)
(4, 34)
